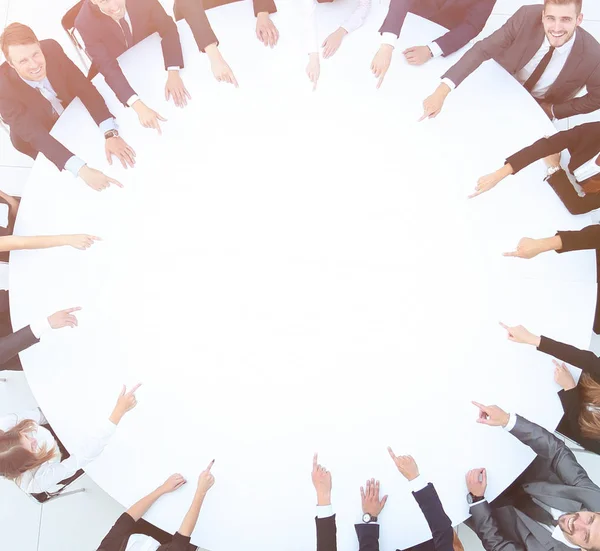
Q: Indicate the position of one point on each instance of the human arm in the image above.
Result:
(22, 242)
(139, 509)
(325, 519)
(583, 359)
(573, 202)
(587, 238)
(584, 104)
(169, 34)
(437, 519)
(266, 31)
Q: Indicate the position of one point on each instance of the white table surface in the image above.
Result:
(288, 271)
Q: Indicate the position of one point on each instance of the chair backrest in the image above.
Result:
(68, 24)
(68, 20)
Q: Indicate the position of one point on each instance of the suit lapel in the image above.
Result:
(136, 15)
(532, 46)
(570, 67)
(541, 534)
(57, 80)
(31, 97)
(552, 496)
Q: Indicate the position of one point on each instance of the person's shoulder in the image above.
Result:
(591, 45)
(529, 11)
(86, 14)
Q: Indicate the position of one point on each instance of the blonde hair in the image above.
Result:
(589, 417)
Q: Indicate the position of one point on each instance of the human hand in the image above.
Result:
(220, 69)
(118, 147)
(333, 42)
(417, 55)
(79, 241)
(125, 403)
(405, 464)
(174, 482)
(95, 179)
(205, 480)
(370, 498)
(552, 160)
(313, 69)
(321, 479)
(381, 62)
(519, 334)
(434, 103)
(477, 482)
(64, 318)
(492, 415)
(528, 248)
(266, 31)
(176, 89)
(562, 376)
(148, 117)
(485, 183)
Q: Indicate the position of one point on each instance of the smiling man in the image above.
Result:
(550, 507)
(546, 50)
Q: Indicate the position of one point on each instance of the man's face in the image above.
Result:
(112, 8)
(28, 60)
(582, 529)
(560, 23)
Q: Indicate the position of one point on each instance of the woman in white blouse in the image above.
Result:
(332, 43)
(29, 454)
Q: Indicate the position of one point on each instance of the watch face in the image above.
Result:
(366, 517)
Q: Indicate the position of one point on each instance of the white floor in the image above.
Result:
(78, 523)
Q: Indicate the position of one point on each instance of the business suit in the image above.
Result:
(464, 18)
(12, 344)
(267, 6)
(554, 478)
(193, 12)
(105, 40)
(326, 534)
(516, 43)
(30, 115)
(437, 519)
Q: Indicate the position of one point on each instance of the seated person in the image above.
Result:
(334, 40)
(37, 82)
(30, 455)
(111, 27)
(583, 143)
(530, 515)
(465, 19)
(193, 12)
(131, 532)
(580, 401)
(546, 50)
(11, 345)
(562, 242)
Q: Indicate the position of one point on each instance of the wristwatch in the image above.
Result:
(552, 170)
(367, 518)
(471, 498)
(111, 134)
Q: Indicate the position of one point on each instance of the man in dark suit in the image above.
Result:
(546, 50)
(548, 508)
(37, 82)
(465, 19)
(110, 27)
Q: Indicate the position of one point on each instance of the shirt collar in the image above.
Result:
(558, 535)
(35, 83)
(566, 48)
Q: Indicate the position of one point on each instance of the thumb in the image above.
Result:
(122, 391)
(384, 500)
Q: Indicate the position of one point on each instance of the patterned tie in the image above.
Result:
(126, 32)
(51, 97)
(539, 71)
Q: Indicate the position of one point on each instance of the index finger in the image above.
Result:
(478, 192)
(315, 460)
(381, 80)
(74, 309)
(391, 452)
(504, 325)
(511, 253)
(480, 406)
(210, 465)
(134, 388)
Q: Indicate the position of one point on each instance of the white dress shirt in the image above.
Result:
(47, 475)
(141, 542)
(587, 170)
(391, 38)
(356, 19)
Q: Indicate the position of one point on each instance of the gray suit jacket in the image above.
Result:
(555, 478)
(515, 44)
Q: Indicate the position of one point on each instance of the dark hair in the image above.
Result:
(16, 34)
(578, 4)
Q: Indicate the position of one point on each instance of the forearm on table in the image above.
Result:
(139, 509)
(17, 242)
(191, 517)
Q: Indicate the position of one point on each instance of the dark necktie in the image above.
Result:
(127, 32)
(539, 71)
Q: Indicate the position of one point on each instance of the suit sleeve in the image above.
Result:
(585, 239)
(485, 49)
(179, 543)
(326, 534)
(368, 537)
(122, 529)
(193, 12)
(167, 29)
(395, 17)
(264, 6)
(437, 519)
(561, 459)
(489, 532)
(16, 342)
(473, 24)
(573, 202)
(585, 104)
(583, 359)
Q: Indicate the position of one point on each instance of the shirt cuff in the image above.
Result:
(174, 68)
(450, 84)
(417, 484)
(436, 51)
(74, 165)
(108, 124)
(389, 38)
(132, 100)
(475, 504)
(512, 421)
(39, 327)
(324, 511)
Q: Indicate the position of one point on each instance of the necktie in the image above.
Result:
(49, 95)
(127, 32)
(539, 71)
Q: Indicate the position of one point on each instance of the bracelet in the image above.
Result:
(552, 170)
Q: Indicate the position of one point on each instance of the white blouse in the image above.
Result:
(45, 477)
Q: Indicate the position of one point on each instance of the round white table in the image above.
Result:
(290, 272)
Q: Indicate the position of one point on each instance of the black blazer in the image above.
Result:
(326, 534)
(16, 342)
(29, 114)
(464, 18)
(105, 41)
(587, 238)
(571, 399)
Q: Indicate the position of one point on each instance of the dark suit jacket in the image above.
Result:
(193, 12)
(571, 399)
(555, 478)
(326, 534)
(16, 342)
(437, 519)
(515, 44)
(105, 42)
(464, 18)
(259, 5)
(29, 114)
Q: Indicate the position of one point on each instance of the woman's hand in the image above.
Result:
(126, 402)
